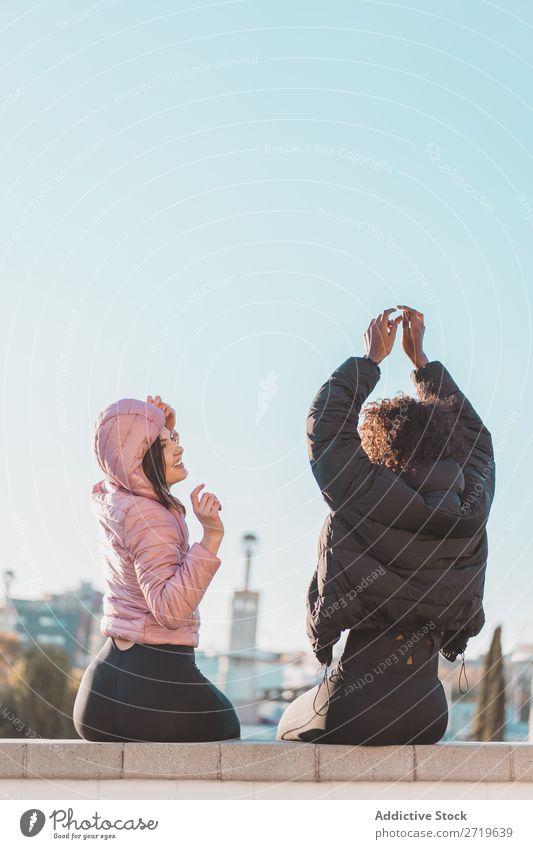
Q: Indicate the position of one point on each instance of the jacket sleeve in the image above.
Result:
(321, 637)
(434, 380)
(173, 581)
(338, 461)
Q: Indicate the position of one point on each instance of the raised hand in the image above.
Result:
(206, 509)
(413, 335)
(170, 412)
(380, 335)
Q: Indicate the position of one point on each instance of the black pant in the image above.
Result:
(151, 693)
(386, 690)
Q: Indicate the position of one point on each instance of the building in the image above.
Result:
(67, 620)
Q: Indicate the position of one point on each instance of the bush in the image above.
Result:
(38, 697)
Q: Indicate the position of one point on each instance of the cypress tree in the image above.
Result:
(489, 721)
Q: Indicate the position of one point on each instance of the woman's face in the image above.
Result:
(174, 469)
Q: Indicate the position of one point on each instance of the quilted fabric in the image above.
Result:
(406, 550)
(154, 581)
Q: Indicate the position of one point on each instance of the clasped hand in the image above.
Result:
(381, 334)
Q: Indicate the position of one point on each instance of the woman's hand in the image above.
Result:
(413, 335)
(206, 509)
(380, 336)
(170, 412)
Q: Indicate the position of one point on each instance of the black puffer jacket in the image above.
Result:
(409, 549)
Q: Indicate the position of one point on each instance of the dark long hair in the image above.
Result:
(154, 468)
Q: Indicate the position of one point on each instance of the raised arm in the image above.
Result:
(432, 379)
(338, 461)
(172, 581)
(337, 458)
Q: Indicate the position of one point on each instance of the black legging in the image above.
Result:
(151, 693)
(380, 697)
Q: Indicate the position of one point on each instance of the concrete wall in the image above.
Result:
(73, 769)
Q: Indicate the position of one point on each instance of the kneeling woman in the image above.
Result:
(144, 685)
(403, 551)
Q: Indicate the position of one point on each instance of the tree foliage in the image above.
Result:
(489, 719)
(37, 696)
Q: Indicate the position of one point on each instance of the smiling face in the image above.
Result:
(174, 469)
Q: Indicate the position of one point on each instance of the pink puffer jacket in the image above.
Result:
(153, 580)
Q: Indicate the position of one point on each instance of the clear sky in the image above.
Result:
(210, 201)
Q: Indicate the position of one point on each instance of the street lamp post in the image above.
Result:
(250, 542)
(8, 576)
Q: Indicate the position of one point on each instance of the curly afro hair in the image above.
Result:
(402, 431)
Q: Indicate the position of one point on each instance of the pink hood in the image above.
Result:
(154, 581)
(122, 435)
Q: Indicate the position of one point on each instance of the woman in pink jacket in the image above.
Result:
(144, 684)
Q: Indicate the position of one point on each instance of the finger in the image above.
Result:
(194, 494)
(392, 329)
(388, 312)
(411, 311)
(395, 322)
(207, 504)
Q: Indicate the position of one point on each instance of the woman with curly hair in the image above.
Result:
(403, 551)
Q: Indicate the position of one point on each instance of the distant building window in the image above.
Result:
(46, 621)
(50, 639)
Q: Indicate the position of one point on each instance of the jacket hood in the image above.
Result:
(442, 480)
(121, 436)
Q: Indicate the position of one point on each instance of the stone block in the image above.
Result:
(277, 761)
(463, 762)
(198, 761)
(522, 760)
(74, 759)
(365, 763)
(11, 759)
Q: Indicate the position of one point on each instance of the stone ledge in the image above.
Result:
(265, 761)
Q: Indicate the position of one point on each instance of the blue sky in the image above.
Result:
(210, 202)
